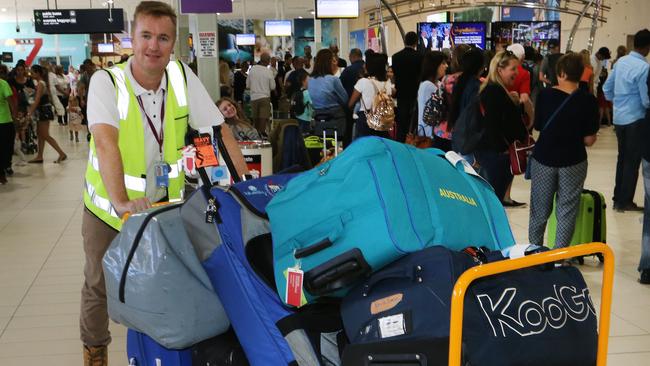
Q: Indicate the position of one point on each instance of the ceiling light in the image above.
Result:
(300, 17)
(312, 12)
(10, 42)
(3, 10)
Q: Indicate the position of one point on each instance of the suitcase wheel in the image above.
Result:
(581, 260)
(601, 259)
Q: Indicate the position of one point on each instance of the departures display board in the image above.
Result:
(78, 21)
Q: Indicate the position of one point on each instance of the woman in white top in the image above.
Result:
(365, 91)
(62, 87)
(434, 66)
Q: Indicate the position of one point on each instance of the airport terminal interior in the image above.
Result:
(42, 204)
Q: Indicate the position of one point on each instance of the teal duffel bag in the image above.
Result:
(376, 202)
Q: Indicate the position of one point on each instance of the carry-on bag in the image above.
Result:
(377, 201)
(510, 319)
(155, 283)
(591, 222)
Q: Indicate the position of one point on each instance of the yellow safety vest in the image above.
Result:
(131, 143)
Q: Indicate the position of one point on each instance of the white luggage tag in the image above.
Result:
(189, 160)
(293, 294)
(454, 158)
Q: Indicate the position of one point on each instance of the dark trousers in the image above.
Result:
(630, 140)
(64, 118)
(7, 138)
(404, 111)
(495, 168)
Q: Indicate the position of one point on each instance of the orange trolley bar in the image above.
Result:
(472, 274)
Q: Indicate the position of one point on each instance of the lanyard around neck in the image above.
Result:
(159, 136)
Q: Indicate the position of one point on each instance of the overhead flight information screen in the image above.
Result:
(78, 21)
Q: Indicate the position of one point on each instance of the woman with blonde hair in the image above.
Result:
(234, 117)
(587, 78)
(502, 121)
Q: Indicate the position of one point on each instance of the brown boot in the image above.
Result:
(96, 356)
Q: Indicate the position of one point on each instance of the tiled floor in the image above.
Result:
(41, 262)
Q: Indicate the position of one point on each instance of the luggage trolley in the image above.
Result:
(472, 274)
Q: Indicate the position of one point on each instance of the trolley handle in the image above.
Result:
(474, 273)
(157, 204)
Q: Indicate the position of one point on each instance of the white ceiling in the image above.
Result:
(255, 9)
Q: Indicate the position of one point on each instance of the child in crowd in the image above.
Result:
(304, 118)
(75, 117)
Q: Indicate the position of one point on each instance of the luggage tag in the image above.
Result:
(189, 160)
(294, 295)
(205, 155)
(162, 170)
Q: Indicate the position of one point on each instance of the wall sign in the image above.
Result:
(207, 44)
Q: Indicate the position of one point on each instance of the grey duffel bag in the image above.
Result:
(155, 283)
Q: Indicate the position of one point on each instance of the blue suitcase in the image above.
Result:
(376, 202)
(141, 350)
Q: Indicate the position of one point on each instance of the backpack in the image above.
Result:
(297, 103)
(382, 115)
(435, 108)
(469, 130)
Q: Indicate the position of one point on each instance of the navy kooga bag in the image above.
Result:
(533, 316)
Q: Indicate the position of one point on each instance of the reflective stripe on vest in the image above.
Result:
(122, 92)
(177, 80)
(137, 184)
(101, 202)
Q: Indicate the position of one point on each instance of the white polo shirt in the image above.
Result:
(102, 108)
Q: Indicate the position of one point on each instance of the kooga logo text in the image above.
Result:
(529, 317)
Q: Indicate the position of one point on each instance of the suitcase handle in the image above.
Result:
(410, 274)
(336, 273)
(336, 223)
(404, 359)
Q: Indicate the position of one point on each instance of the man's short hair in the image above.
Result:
(642, 39)
(411, 39)
(571, 66)
(265, 57)
(155, 9)
(356, 53)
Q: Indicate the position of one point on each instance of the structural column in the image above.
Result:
(344, 39)
(318, 37)
(207, 67)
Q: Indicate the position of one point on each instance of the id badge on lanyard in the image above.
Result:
(161, 168)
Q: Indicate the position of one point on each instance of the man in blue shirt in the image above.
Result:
(627, 87)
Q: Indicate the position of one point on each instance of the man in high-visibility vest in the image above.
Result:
(138, 114)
